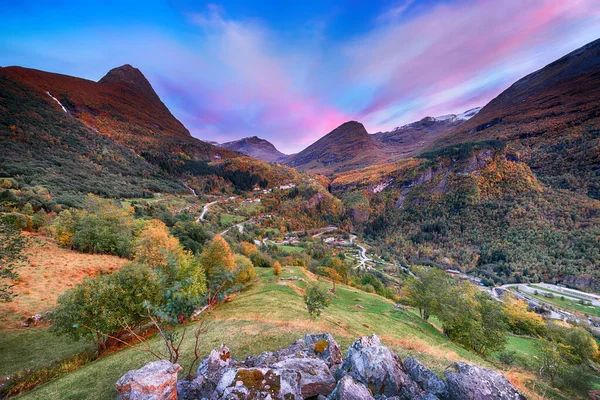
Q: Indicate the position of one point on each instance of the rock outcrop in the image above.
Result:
(156, 380)
(477, 383)
(314, 368)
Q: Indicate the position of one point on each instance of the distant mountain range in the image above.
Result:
(257, 148)
(350, 146)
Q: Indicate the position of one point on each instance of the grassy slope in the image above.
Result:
(31, 348)
(269, 316)
(50, 271)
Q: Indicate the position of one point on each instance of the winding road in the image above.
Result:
(205, 210)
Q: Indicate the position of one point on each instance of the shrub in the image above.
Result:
(39, 219)
(244, 269)
(277, 268)
(106, 304)
(507, 357)
(12, 246)
(261, 260)
(16, 219)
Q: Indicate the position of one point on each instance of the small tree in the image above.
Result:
(244, 269)
(334, 276)
(554, 358)
(12, 245)
(277, 268)
(316, 300)
(217, 257)
(426, 289)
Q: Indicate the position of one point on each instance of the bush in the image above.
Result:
(261, 260)
(507, 357)
(106, 304)
(577, 379)
(244, 269)
(277, 268)
(18, 220)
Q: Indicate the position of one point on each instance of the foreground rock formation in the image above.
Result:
(314, 368)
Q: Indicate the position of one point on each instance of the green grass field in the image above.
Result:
(567, 295)
(291, 249)
(230, 219)
(267, 316)
(568, 304)
(34, 347)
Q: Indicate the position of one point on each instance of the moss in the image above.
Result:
(320, 346)
(256, 381)
(252, 378)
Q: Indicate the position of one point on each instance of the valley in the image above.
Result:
(469, 237)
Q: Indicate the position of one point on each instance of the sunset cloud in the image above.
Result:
(227, 75)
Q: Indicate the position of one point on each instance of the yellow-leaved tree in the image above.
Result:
(217, 257)
(155, 245)
(218, 261)
(520, 320)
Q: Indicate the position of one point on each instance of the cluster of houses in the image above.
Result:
(333, 241)
(464, 277)
(282, 187)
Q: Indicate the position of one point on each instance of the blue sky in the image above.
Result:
(292, 71)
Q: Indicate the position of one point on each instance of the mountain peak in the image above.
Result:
(256, 147)
(132, 77)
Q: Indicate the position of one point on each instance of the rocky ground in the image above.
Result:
(315, 368)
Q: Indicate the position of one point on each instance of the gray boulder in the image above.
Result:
(348, 389)
(290, 378)
(425, 378)
(154, 381)
(325, 347)
(469, 381)
(376, 367)
(310, 375)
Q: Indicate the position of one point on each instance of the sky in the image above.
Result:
(292, 71)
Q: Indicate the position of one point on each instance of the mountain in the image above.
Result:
(408, 140)
(347, 147)
(257, 148)
(115, 137)
(551, 118)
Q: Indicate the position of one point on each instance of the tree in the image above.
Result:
(334, 276)
(425, 290)
(219, 263)
(244, 269)
(217, 257)
(277, 268)
(104, 227)
(155, 244)
(582, 345)
(554, 358)
(520, 320)
(64, 228)
(248, 249)
(191, 235)
(39, 219)
(12, 246)
(316, 300)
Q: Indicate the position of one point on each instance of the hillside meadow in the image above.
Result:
(268, 315)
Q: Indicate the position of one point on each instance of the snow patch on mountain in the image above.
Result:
(449, 117)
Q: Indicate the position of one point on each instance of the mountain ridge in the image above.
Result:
(256, 147)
